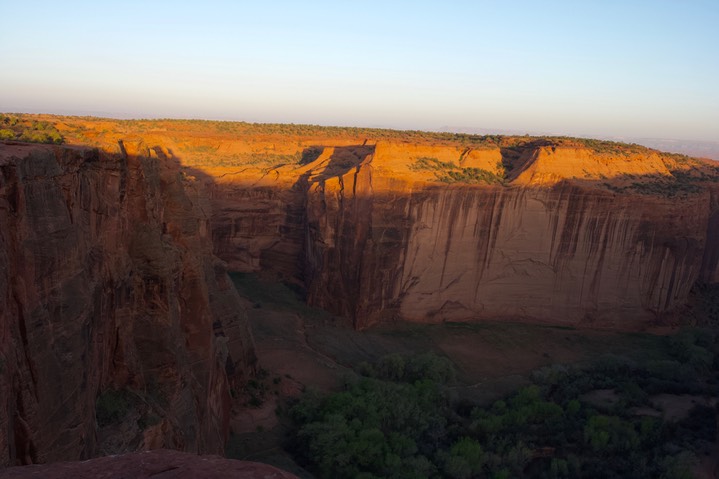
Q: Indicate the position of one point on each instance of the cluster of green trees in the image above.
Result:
(680, 183)
(473, 140)
(13, 127)
(448, 172)
(399, 418)
(206, 156)
(605, 147)
(468, 139)
(245, 128)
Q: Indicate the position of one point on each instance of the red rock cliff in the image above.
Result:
(572, 237)
(107, 282)
(428, 227)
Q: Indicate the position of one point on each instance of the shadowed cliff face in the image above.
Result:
(428, 227)
(562, 255)
(615, 245)
(107, 282)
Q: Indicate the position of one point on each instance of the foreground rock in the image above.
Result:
(159, 463)
(119, 329)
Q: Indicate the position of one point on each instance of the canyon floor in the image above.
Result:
(302, 348)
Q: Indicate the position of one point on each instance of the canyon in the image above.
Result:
(115, 249)
(377, 225)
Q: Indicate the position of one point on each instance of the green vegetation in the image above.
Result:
(17, 127)
(603, 146)
(291, 129)
(88, 136)
(680, 183)
(259, 387)
(464, 139)
(401, 418)
(207, 156)
(448, 172)
(664, 188)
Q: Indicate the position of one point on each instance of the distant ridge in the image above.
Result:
(695, 148)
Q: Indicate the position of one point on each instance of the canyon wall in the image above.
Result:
(561, 255)
(570, 237)
(113, 266)
(379, 224)
(108, 285)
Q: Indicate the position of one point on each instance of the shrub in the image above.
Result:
(31, 131)
(448, 172)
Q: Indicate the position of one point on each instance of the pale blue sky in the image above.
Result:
(601, 68)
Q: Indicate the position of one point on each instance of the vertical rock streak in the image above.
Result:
(561, 254)
(377, 245)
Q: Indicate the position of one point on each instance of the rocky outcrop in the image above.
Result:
(543, 247)
(110, 298)
(561, 255)
(426, 232)
(157, 463)
(378, 224)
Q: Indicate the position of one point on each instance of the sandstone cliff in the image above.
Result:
(431, 227)
(540, 247)
(109, 291)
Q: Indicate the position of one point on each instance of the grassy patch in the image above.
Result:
(608, 147)
(207, 156)
(679, 183)
(448, 172)
(20, 128)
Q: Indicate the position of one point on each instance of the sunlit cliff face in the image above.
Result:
(376, 224)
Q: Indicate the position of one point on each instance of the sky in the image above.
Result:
(619, 68)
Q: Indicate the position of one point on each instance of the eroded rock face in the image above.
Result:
(571, 236)
(541, 248)
(379, 224)
(107, 282)
(561, 255)
(140, 465)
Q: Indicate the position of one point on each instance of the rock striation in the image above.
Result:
(109, 291)
(556, 251)
(379, 225)
(567, 236)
